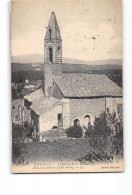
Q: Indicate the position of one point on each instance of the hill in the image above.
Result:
(34, 72)
(65, 67)
(39, 58)
(32, 67)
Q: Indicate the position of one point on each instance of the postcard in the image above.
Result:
(66, 86)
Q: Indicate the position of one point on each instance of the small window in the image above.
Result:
(58, 48)
(50, 54)
(50, 33)
(60, 120)
(87, 120)
(119, 108)
(59, 116)
(54, 127)
(13, 107)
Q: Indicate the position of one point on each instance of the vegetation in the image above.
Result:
(62, 150)
(19, 135)
(106, 135)
(23, 71)
(74, 131)
(17, 92)
(104, 142)
(21, 76)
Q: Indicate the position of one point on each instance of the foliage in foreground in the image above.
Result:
(19, 134)
(106, 135)
(74, 131)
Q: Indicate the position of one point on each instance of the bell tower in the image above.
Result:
(52, 54)
(53, 42)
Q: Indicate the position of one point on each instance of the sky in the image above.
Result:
(79, 21)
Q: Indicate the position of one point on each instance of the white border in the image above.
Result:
(66, 184)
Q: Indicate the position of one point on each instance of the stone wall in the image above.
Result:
(35, 120)
(72, 109)
(20, 113)
(66, 112)
(56, 46)
(50, 71)
(79, 108)
(49, 119)
(112, 104)
(48, 79)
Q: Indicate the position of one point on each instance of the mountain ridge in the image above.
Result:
(39, 58)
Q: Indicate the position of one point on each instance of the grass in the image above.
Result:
(78, 150)
(62, 150)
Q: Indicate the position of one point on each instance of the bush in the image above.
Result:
(101, 126)
(106, 135)
(74, 131)
(16, 152)
(19, 134)
(88, 131)
(118, 141)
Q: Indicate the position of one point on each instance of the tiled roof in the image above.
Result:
(87, 85)
(34, 95)
(40, 106)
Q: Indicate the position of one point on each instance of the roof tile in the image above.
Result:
(87, 85)
(40, 106)
(34, 95)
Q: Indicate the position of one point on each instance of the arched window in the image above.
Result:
(50, 33)
(54, 127)
(58, 48)
(76, 122)
(87, 120)
(50, 54)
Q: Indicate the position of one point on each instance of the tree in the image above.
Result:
(106, 135)
(88, 131)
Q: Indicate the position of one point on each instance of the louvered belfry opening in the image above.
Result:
(50, 54)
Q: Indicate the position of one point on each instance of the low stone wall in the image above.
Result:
(52, 135)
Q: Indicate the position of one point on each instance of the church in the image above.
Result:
(67, 99)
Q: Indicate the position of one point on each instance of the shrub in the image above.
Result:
(106, 135)
(74, 131)
(19, 133)
(118, 141)
(101, 126)
(16, 152)
(88, 131)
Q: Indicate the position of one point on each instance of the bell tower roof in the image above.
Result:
(53, 31)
